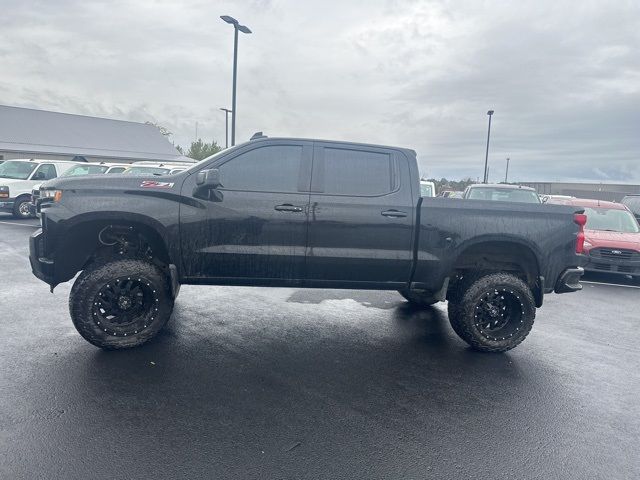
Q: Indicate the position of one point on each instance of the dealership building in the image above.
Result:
(613, 192)
(29, 133)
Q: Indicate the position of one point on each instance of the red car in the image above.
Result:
(612, 236)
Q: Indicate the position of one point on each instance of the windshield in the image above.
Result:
(17, 170)
(504, 195)
(146, 171)
(426, 190)
(611, 220)
(84, 170)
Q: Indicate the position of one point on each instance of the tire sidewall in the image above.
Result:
(465, 320)
(94, 278)
(16, 208)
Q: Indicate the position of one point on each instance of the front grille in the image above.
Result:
(615, 254)
(601, 266)
(626, 269)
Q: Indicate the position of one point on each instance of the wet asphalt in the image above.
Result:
(286, 383)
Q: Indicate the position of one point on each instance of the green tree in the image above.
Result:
(200, 150)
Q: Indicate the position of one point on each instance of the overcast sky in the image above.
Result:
(562, 77)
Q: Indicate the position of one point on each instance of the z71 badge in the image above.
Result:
(152, 184)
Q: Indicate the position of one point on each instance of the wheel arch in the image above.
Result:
(501, 254)
(81, 243)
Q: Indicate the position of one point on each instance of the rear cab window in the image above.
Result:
(354, 172)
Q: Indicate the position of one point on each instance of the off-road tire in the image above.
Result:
(86, 310)
(477, 299)
(419, 298)
(21, 208)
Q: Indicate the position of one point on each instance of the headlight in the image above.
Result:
(55, 195)
(4, 192)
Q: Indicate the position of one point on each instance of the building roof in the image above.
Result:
(40, 131)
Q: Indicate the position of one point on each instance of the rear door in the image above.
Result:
(361, 216)
(254, 228)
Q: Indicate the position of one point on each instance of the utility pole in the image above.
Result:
(226, 126)
(486, 157)
(506, 172)
(196, 139)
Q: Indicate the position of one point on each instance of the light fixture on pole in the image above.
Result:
(226, 126)
(244, 29)
(486, 157)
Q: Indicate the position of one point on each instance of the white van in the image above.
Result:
(18, 177)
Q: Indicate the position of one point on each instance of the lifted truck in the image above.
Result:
(300, 213)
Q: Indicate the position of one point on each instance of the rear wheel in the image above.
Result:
(419, 298)
(21, 208)
(493, 313)
(120, 304)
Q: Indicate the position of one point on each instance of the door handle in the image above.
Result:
(287, 207)
(393, 213)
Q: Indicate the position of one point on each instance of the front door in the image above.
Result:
(254, 227)
(361, 217)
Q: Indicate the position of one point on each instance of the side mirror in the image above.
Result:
(209, 178)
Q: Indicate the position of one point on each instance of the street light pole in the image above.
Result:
(236, 27)
(506, 172)
(486, 157)
(226, 126)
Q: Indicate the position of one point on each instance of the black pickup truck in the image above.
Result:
(300, 213)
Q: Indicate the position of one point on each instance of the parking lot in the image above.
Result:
(286, 383)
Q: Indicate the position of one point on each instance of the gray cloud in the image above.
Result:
(563, 77)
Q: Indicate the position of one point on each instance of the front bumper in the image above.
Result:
(42, 267)
(6, 204)
(569, 280)
(607, 265)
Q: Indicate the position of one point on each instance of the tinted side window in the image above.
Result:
(45, 172)
(357, 172)
(273, 168)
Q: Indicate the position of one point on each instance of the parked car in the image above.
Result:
(501, 193)
(155, 168)
(633, 203)
(18, 177)
(300, 213)
(448, 193)
(77, 170)
(427, 189)
(612, 236)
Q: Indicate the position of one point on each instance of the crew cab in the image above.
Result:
(612, 237)
(18, 177)
(300, 213)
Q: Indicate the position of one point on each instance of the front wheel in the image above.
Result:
(493, 313)
(120, 304)
(21, 208)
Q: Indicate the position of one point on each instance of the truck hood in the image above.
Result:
(110, 182)
(602, 238)
(12, 182)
